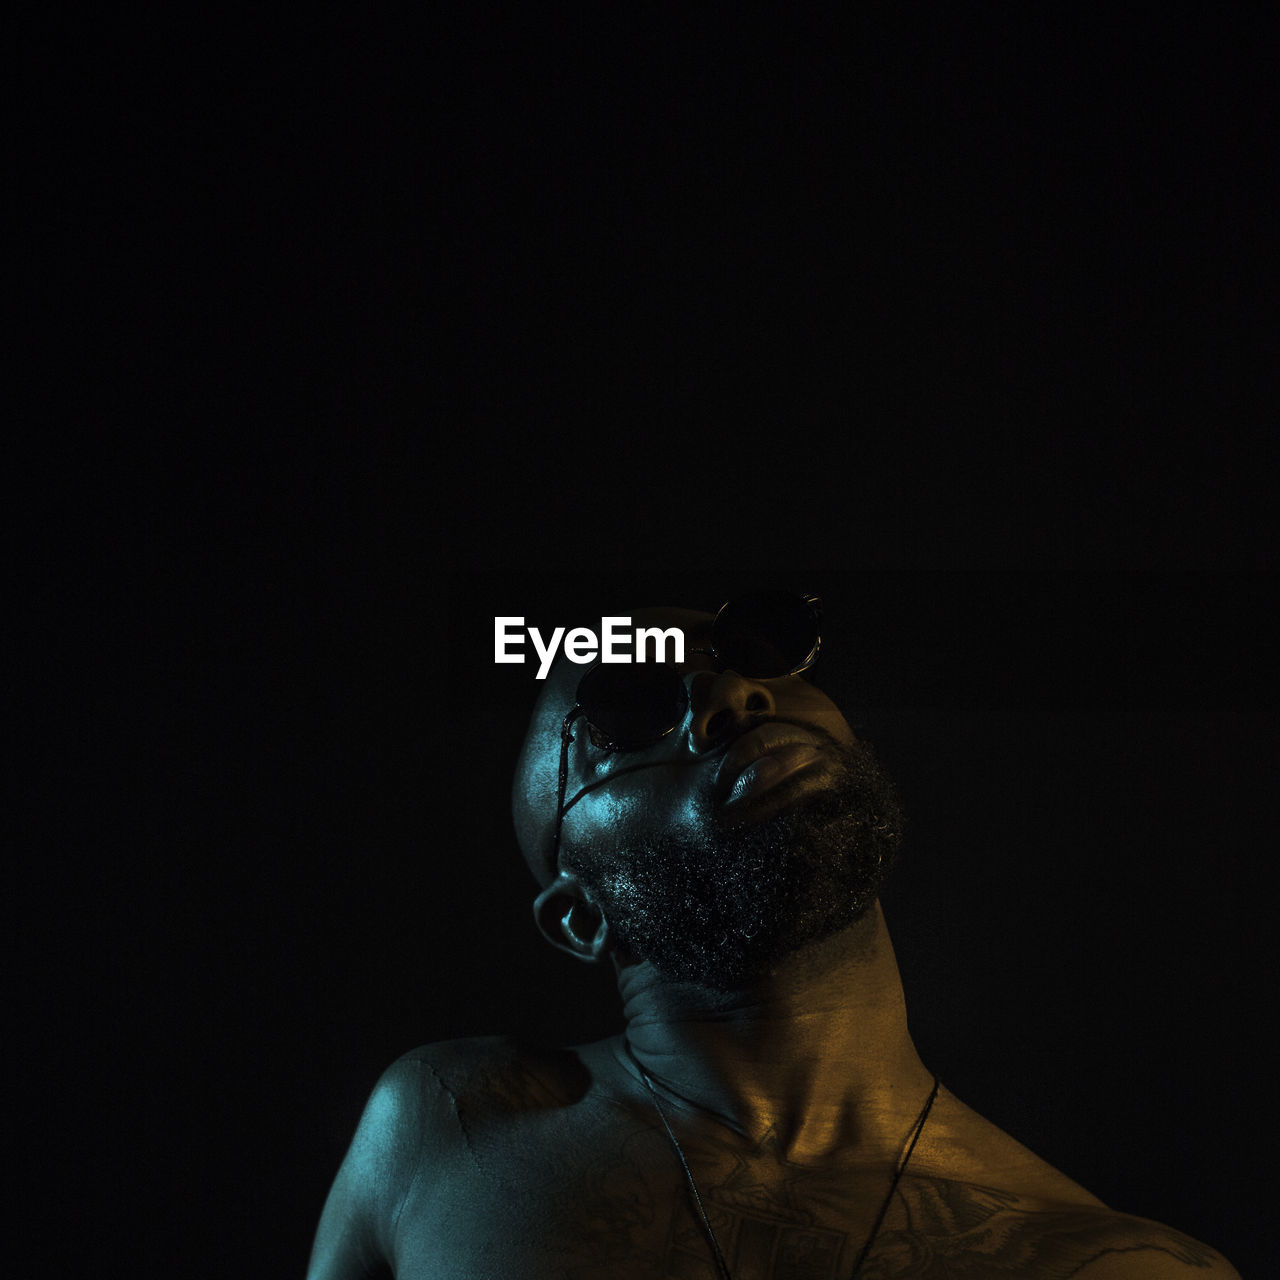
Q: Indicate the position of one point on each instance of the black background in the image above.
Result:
(343, 334)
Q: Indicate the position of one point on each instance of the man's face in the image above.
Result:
(757, 825)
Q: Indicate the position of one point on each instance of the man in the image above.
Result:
(717, 834)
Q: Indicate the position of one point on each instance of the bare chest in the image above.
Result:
(603, 1195)
(606, 1196)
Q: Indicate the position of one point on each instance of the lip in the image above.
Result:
(786, 747)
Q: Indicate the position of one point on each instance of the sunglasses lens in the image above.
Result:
(767, 633)
(633, 704)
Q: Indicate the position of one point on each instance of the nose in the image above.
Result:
(725, 704)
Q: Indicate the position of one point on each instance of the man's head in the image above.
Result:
(758, 825)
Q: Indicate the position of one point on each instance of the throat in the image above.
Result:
(816, 1062)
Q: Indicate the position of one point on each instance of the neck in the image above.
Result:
(816, 1059)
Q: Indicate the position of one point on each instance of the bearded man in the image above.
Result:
(714, 830)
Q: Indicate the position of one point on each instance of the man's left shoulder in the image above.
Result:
(1009, 1205)
(1132, 1248)
(998, 1230)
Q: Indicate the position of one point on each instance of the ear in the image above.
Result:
(569, 920)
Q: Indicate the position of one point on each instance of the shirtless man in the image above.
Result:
(721, 840)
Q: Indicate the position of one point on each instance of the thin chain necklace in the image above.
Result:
(722, 1267)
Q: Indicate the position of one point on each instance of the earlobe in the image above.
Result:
(570, 921)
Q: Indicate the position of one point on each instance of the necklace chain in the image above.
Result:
(722, 1267)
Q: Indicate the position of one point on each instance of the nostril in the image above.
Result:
(730, 705)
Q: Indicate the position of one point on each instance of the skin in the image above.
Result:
(792, 1098)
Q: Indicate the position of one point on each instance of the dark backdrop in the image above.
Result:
(342, 333)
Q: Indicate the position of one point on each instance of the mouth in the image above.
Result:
(761, 760)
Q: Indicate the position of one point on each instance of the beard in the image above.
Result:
(723, 907)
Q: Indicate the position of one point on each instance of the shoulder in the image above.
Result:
(357, 1225)
(984, 1229)
(502, 1072)
(980, 1189)
(424, 1109)
(1132, 1248)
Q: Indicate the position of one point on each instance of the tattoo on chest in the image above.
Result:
(624, 1209)
(775, 1221)
(766, 1215)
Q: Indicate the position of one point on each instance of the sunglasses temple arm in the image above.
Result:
(566, 737)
